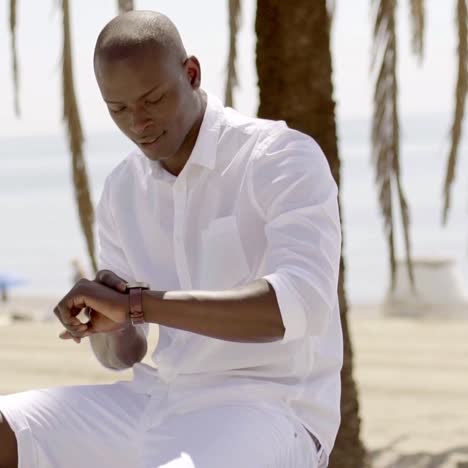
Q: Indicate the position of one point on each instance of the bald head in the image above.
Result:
(136, 32)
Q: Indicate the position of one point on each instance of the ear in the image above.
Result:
(193, 71)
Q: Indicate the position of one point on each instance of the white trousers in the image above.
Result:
(96, 426)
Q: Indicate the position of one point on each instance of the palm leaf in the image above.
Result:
(418, 25)
(14, 56)
(125, 5)
(75, 139)
(231, 74)
(385, 129)
(331, 8)
(460, 97)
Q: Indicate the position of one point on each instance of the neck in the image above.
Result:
(175, 164)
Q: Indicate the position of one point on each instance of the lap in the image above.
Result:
(229, 435)
(76, 426)
(110, 425)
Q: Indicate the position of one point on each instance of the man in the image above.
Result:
(233, 222)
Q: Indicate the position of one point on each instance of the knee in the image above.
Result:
(8, 445)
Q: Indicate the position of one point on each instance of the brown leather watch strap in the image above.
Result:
(135, 313)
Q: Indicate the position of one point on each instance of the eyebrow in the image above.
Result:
(142, 96)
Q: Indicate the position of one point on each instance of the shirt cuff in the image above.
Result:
(291, 309)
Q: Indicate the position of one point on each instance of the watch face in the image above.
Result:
(137, 284)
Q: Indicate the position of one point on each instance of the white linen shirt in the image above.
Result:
(256, 199)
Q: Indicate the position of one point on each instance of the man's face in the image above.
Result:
(150, 98)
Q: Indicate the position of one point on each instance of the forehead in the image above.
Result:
(128, 74)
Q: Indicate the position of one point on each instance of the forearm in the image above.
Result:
(121, 349)
(246, 314)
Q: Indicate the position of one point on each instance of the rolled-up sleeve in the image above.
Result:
(294, 191)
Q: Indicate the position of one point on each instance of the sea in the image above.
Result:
(40, 234)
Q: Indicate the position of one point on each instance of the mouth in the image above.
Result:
(150, 140)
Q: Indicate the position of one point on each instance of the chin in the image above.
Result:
(153, 156)
(156, 151)
(152, 153)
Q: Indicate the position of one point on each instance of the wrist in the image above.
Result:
(153, 305)
(124, 306)
(124, 328)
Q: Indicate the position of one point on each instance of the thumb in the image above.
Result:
(110, 279)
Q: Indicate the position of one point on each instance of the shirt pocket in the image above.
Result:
(223, 261)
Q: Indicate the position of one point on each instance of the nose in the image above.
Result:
(140, 121)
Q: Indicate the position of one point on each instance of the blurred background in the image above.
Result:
(40, 232)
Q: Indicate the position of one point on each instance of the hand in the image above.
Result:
(105, 305)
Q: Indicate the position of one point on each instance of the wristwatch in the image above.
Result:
(135, 312)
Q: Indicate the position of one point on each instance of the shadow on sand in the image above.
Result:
(388, 457)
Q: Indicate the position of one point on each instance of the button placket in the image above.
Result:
(180, 200)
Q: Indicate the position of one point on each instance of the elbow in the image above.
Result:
(119, 355)
(275, 333)
(303, 308)
(125, 358)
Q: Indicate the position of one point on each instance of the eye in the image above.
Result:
(117, 110)
(152, 102)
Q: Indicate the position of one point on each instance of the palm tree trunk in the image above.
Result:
(295, 83)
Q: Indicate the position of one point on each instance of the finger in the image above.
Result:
(67, 311)
(110, 279)
(66, 335)
(66, 317)
(88, 330)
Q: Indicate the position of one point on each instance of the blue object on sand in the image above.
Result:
(8, 280)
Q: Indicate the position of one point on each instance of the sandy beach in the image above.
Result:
(412, 376)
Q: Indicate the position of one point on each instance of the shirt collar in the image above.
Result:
(204, 151)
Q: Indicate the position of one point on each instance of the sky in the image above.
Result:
(425, 90)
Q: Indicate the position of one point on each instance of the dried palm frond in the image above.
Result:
(331, 7)
(125, 5)
(418, 23)
(75, 139)
(234, 23)
(14, 56)
(460, 97)
(385, 129)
